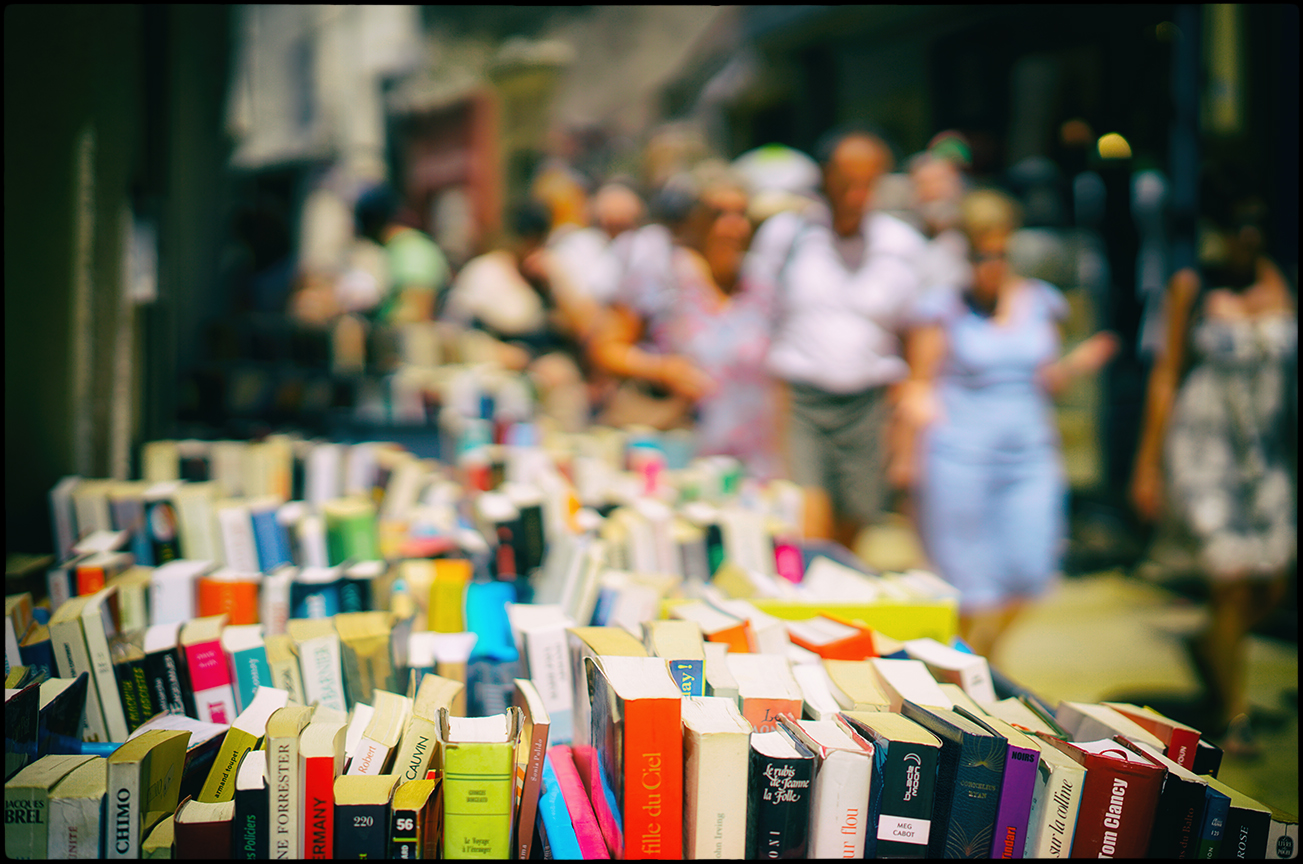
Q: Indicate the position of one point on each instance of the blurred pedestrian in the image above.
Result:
(589, 253)
(1216, 418)
(846, 277)
(416, 269)
(939, 186)
(976, 435)
(689, 334)
(519, 299)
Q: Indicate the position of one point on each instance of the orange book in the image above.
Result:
(766, 689)
(638, 743)
(231, 594)
(94, 571)
(1180, 741)
(716, 626)
(832, 638)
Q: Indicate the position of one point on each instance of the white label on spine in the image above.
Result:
(904, 830)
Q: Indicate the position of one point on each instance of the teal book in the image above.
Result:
(245, 651)
(970, 776)
(1211, 832)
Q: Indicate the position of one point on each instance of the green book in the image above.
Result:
(478, 760)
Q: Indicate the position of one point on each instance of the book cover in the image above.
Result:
(245, 732)
(636, 733)
(201, 749)
(1118, 800)
(1055, 804)
(556, 830)
(318, 649)
(856, 686)
(716, 759)
(574, 821)
(27, 798)
(160, 842)
(134, 589)
(144, 779)
(249, 827)
(530, 752)
(780, 797)
(285, 799)
(1180, 807)
(162, 522)
(173, 598)
(321, 760)
(99, 619)
(478, 767)
(1020, 775)
(62, 713)
(901, 792)
(362, 815)
(679, 643)
(843, 770)
(165, 668)
(210, 677)
(22, 727)
(416, 814)
(204, 830)
(76, 812)
(969, 776)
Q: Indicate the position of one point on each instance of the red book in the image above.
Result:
(1180, 742)
(321, 760)
(1118, 800)
(832, 638)
(582, 817)
(638, 766)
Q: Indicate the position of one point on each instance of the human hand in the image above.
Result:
(1091, 355)
(536, 265)
(1147, 491)
(683, 378)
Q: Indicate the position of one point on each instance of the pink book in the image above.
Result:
(582, 814)
(210, 677)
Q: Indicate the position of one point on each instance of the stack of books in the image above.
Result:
(305, 649)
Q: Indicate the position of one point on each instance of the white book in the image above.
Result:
(358, 718)
(235, 528)
(360, 468)
(285, 804)
(318, 646)
(770, 632)
(1056, 800)
(74, 820)
(226, 467)
(816, 691)
(68, 641)
(719, 680)
(909, 679)
(746, 542)
(63, 516)
(173, 590)
(274, 599)
(579, 594)
(99, 624)
(716, 758)
(160, 461)
(323, 474)
(267, 469)
(969, 671)
(540, 633)
(380, 736)
(1085, 721)
(826, 580)
(637, 597)
(312, 541)
(90, 500)
(194, 507)
(843, 768)
(102, 541)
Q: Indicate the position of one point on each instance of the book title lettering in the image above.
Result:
(1111, 818)
(650, 840)
(783, 785)
(122, 822)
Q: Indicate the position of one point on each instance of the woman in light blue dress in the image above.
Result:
(976, 432)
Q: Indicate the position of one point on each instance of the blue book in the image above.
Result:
(243, 645)
(269, 535)
(314, 593)
(554, 816)
(1215, 813)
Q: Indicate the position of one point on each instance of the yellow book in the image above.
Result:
(364, 653)
(285, 829)
(144, 782)
(249, 727)
(901, 620)
(27, 797)
(158, 844)
(389, 716)
(418, 750)
(856, 686)
(417, 809)
(283, 661)
(76, 811)
(478, 767)
(448, 595)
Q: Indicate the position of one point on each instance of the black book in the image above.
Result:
(169, 682)
(362, 824)
(415, 815)
(22, 710)
(780, 795)
(903, 786)
(1207, 758)
(1181, 803)
(128, 655)
(37, 651)
(970, 774)
(63, 716)
(161, 523)
(252, 808)
(540, 849)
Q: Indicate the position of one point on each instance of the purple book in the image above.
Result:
(1020, 767)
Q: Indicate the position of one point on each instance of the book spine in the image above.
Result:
(715, 794)
(238, 545)
(1182, 746)
(319, 807)
(251, 672)
(161, 522)
(74, 825)
(323, 678)
(211, 680)
(1014, 812)
(653, 779)
(285, 803)
(1180, 806)
(976, 797)
(360, 830)
(1213, 829)
(90, 578)
(1117, 809)
(122, 830)
(549, 669)
(274, 603)
(778, 815)
(841, 797)
(173, 598)
(477, 789)
(417, 750)
(689, 675)
(404, 840)
(529, 779)
(249, 840)
(129, 693)
(354, 595)
(129, 515)
(97, 650)
(1053, 821)
(371, 757)
(285, 675)
(763, 714)
(169, 683)
(237, 599)
(269, 540)
(901, 824)
(60, 583)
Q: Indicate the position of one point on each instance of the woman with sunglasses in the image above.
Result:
(975, 432)
(689, 331)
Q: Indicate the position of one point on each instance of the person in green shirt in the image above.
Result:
(418, 270)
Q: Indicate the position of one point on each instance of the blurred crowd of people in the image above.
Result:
(882, 335)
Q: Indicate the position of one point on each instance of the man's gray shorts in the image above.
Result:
(835, 442)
